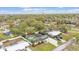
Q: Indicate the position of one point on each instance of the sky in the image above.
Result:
(38, 10)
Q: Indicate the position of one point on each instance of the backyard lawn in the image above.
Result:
(43, 47)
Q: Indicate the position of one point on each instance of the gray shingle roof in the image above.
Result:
(36, 37)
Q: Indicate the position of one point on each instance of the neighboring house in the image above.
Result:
(4, 25)
(7, 32)
(14, 44)
(17, 22)
(4, 28)
(18, 46)
(36, 39)
(55, 34)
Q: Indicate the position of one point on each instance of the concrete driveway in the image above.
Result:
(52, 41)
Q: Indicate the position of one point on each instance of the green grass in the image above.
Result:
(67, 36)
(43, 47)
(59, 42)
(75, 33)
(4, 37)
(70, 34)
(75, 47)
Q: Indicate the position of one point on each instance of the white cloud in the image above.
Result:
(8, 12)
(73, 11)
(33, 9)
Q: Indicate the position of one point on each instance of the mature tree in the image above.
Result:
(63, 28)
(31, 30)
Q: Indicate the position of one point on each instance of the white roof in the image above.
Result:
(20, 45)
(54, 33)
(6, 30)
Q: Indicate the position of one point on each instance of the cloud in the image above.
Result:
(73, 11)
(9, 12)
(33, 9)
(39, 10)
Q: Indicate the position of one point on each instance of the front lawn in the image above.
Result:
(75, 45)
(59, 42)
(70, 35)
(67, 36)
(43, 47)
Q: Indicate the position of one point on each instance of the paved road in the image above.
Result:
(61, 47)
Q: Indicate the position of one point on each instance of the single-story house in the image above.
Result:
(55, 34)
(19, 46)
(15, 44)
(6, 32)
(36, 39)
